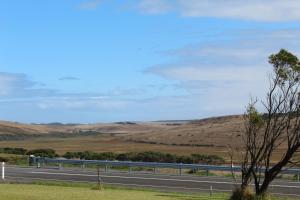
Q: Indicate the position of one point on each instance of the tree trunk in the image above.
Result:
(264, 187)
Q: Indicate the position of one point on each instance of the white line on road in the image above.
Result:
(229, 180)
(132, 177)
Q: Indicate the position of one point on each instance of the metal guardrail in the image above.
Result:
(38, 161)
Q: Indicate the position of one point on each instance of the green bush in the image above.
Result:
(49, 153)
(17, 151)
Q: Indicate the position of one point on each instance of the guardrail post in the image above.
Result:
(3, 171)
(298, 176)
(207, 172)
(38, 163)
(211, 191)
(59, 165)
(106, 168)
(129, 169)
(31, 160)
(180, 169)
(154, 170)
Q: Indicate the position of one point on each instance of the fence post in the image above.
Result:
(3, 171)
(211, 191)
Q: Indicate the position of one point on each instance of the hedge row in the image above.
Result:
(50, 153)
(148, 156)
(18, 151)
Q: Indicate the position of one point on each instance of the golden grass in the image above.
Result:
(213, 136)
(100, 144)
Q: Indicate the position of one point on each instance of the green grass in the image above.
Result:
(46, 192)
(82, 191)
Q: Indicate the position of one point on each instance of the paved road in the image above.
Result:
(155, 181)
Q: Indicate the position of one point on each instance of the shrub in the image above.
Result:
(239, 194)
(18, 151)
(49, 153)
(3, 159)
(148, 156)
(208, 159)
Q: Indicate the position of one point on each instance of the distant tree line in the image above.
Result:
(50, 153)
(148, 156)
(18, 151)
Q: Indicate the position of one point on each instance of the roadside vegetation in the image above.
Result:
(148, 156)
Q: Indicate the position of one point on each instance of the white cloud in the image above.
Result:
(209, 73)
(222, 75)
(90, 5)
(19, 85)
(80, 103)
(18, 89)
(155, 6)
(258, 10)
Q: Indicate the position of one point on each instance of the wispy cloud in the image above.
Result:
(227, 72)
(90, 5)
(267, 10)
(69, 78)
(19, 85)
(19, 89)
(200, 72)
(155, 6)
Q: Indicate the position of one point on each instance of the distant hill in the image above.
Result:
(215, 131)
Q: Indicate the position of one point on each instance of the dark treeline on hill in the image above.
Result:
(49, 153)
(18, 151)
(148, 156)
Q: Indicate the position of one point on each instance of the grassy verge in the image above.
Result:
(83, 191)
(54, 192)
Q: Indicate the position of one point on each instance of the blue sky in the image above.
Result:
(138, 60)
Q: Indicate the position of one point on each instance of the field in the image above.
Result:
(206, 136)
(42, 192)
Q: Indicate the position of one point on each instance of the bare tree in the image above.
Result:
(277, 127)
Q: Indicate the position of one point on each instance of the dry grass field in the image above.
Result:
(207, 136)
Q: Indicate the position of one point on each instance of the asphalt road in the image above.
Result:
(144, 180)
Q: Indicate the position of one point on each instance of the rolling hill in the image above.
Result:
(217, 131)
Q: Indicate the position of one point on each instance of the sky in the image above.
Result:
(87, 61)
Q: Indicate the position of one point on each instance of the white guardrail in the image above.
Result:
(38, 161)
